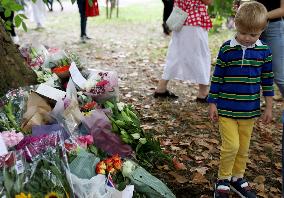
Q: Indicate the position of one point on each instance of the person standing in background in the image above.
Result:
(83, 20)
(38, 14)
(168, 7)
(188, 57)
(274, 37)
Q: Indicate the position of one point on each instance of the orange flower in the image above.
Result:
(110, 169)
(101, 164)
(117, 164)
(100, 171)
(108, 162)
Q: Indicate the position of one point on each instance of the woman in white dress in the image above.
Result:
(188, 56)
(38, 13)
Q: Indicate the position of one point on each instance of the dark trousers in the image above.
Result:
(10, 18)
(82, 11)
(168, 7)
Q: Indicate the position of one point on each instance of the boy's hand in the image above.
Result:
(267, 115)
(213, 112)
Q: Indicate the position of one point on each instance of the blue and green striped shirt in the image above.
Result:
(239, 75)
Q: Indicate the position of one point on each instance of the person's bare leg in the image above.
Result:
(162, 86)
(203, 91)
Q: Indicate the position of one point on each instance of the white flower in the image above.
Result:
(143, 140)
(120, 106)
(136, 136)
(90, 83)
(127, 168)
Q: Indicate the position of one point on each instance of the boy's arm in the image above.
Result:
(216, 81)
(267, 76)
(267, 88)
(217, 78)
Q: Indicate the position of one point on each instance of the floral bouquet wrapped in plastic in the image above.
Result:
(34, 54)
(102, 85)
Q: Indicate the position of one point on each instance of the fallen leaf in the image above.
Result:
(198, 178)
(179, 178)
(260, 187)
(201, 170)
(178, 165)
(175, 148)
(164, 167)
(278, 165)
(259, 179)
(275, 190)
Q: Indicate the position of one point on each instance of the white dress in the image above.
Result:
(188, 56)
(38, 12)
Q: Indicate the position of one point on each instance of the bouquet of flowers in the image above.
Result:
(34, 54)
(102, 85)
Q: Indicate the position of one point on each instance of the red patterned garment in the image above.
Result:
(197, 13)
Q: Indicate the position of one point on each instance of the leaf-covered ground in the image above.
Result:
(134, 46)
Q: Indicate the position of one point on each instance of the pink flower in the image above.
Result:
(89, 139)
(85, 140)
(11, 138)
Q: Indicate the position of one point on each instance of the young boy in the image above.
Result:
(243, 66)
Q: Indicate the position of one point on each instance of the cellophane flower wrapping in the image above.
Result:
(35, 54)
(12, 108)
(101, 85)
(12, 174)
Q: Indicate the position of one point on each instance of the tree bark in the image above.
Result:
(14, 72)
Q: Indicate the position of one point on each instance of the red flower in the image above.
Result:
(89, 106)
(102, 83)
(70, 146)
(108, 162)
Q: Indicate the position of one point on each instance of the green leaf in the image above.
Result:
(18, 21)
(7, 13)
(24, 26)
(16, 7)
(23, 16)
(8, 25)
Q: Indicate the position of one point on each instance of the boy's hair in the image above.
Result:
(251, 17)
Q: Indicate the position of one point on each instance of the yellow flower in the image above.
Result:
(23, 195)
(52, 195)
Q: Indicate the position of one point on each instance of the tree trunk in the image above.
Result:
(14, 72)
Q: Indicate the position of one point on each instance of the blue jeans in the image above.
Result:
(274, 37)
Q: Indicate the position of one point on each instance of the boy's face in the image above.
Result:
(247, 38)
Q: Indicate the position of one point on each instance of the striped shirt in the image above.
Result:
(239, 75)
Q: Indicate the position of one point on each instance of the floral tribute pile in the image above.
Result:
(69, 136)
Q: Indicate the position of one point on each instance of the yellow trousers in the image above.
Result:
(235, 135)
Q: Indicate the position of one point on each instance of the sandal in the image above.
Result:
(202, 100)
(166, 94)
